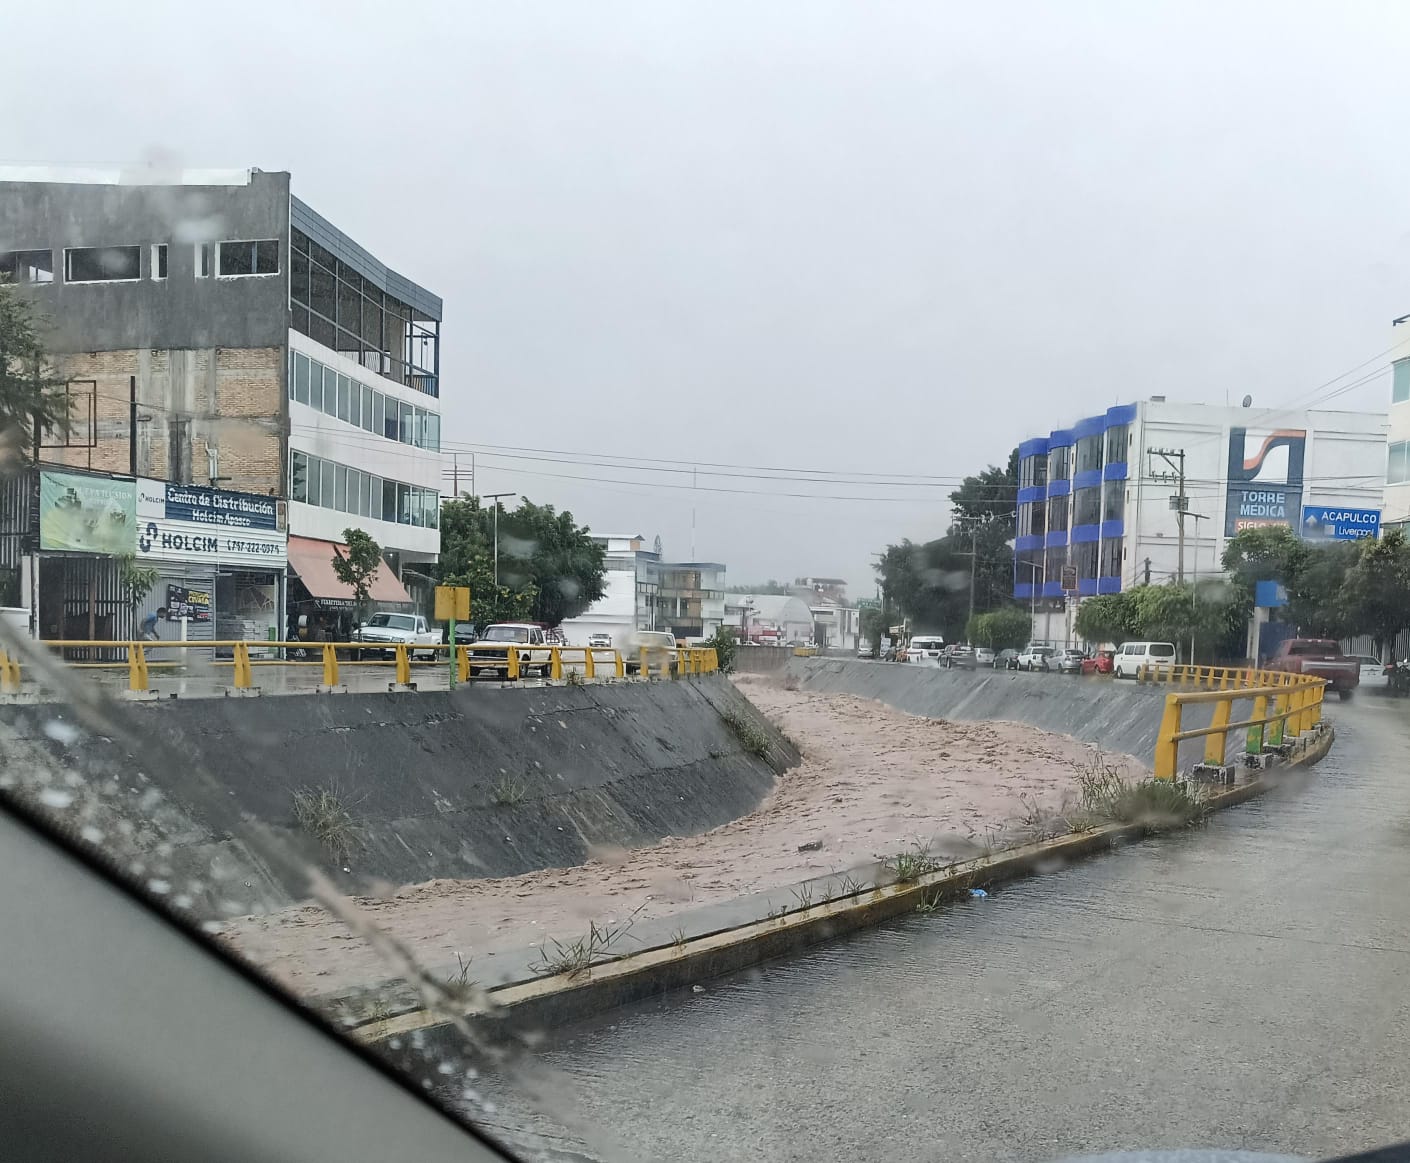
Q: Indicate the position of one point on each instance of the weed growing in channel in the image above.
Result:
(324, 814)
(912, 864)
(600, 943)
(1158, 805)
(751, 737)
(508, 792)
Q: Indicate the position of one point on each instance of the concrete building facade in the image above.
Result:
(1100, 506)
(1397, 489)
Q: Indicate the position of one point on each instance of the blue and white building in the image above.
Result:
(1097, 507)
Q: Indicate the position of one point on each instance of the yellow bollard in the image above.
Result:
(589, 663)
(330, 665)
(645, 668)
(511, 663)
(9, 674)
(137, 668)
(555, 663)
(403, 665)
(1253, 739)
(244, 680)
(1215, 745)
(1167, 747)
(618, 666)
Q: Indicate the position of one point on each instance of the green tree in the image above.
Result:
(137, 581)
(1316, 593)
(1105, 618)
(872, 624)
(357, 568)
(1377, 589)
(549, 568)
(724, 646)
(1003, 629)
(989, 496)
(30, 394)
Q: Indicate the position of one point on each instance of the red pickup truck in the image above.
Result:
(1321, 657)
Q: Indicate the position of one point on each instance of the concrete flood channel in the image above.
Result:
(1240, 987)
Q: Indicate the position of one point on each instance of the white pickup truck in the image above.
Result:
(490, 650)
(385, 631)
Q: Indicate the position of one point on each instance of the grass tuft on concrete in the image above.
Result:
(574, 958)
(1159, 805)
(751, 736)
(325, 815)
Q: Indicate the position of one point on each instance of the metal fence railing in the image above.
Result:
(512, 660)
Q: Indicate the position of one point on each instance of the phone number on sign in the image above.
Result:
(260, 548)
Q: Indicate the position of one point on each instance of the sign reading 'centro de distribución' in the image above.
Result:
(214, 526)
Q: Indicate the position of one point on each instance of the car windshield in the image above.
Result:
(393, 621)
(507, 634)
(345, 348)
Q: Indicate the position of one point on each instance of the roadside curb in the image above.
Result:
(557, 1000)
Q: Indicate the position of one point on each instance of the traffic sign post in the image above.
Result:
(452, 605)
(1334, 523)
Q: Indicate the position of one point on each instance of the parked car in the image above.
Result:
(655, 642)
(866, 650)
(961, 657)
(1068, 661)
(388, 630)
(1036, 658)
(983, 656)
(1131, 656)
(1006, 659)
(925, 649)
(600, 641)
(490, 651)
(1321, 657)
(1373, 671)
(1102, 662)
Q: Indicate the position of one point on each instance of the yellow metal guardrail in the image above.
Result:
(1285, 706)
(548, 661)
(1209, 677)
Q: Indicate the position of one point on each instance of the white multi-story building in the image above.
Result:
(629, 600)
(1397, 493)
(1100, 505)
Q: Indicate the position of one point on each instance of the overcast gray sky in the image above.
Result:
(862, 237)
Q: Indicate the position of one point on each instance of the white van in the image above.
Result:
(1131, 656)
(925, 649)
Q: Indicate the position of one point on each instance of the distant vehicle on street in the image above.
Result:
(1373, 671)
(983, 656)
(1036, 658)
(656, 642)
(1068, 661)
(1102, 662)
(960, 657)
(925, 649)
(1321, 657)
(490, 651)
(1006, 659)
(600, 641)
(386, 631)
(1131, 656)
(866, 650)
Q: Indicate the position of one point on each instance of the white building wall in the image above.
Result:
(1344, 458)
(1397, 494)
(318, 434)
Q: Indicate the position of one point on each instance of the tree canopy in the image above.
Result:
(357, 568)
(550, 568)
(1377, 589)
(29, 393)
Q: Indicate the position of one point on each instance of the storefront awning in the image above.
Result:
(312, 560)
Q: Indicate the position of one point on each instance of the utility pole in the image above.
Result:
(1175, 459)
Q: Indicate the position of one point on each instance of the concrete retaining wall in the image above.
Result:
(477, 783)
(1117, 716)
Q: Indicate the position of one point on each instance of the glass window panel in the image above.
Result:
(435, 521)
(405, 421)
(433, 431)
(371, 495)
(403, 504)
(341, 488)
(1398, 468)
(355, 405)
(330, 391)
(315, 385)
(301, 378)
(367, 394)
(1400, 382)
(379, 414)
(315, 481)
(389, 500)
(325, 475)
(344, 397)
(298, 476)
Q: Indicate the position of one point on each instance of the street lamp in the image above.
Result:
(495, 498)
(1194, 577)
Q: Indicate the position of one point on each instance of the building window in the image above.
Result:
(1114, 508)
(1111, 557)
(1116, 444)
(1087, 506)
(102, 264)
(1400, 381)
(202, 259)
(1059, 463)
(27, 266)
(329, 485)
(1089, 454)
(1398, 463)
(347, 399)
(1084, 557)
(238, 259)
(159, 260)
(1057, 513)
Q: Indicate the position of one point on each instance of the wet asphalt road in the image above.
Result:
(1246, 986)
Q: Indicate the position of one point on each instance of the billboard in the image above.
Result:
(86, 514)
(1334, 523)
(1264, 478)
(209, 526)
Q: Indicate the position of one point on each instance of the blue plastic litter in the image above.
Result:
(978, 893)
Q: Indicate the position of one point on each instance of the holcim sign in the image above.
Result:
(210, 526)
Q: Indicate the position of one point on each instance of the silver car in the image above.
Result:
(983, 656)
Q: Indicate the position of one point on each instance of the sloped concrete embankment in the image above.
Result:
(477, 783)
(1117, 716)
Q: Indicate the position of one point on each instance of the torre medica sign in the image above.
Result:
(1264, 478)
